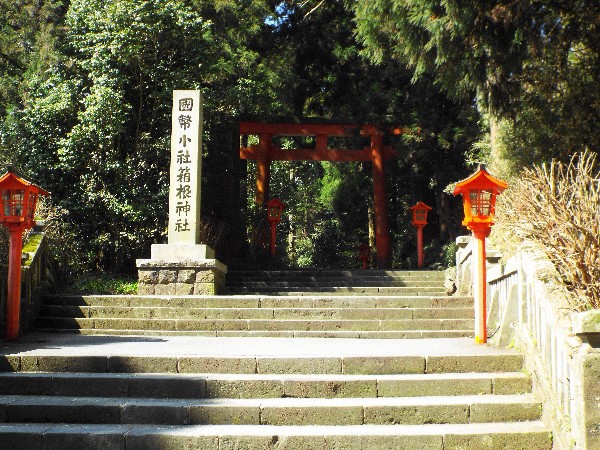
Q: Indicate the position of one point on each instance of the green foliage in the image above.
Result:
(88, 117)
(102, 283)
(94, 129)
(531, 66)
(449, 251)
(469, 48)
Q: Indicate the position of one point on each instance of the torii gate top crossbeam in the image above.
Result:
(322, 132)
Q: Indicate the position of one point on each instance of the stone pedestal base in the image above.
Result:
(180, 270)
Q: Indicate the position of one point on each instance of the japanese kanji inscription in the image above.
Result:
(186, 167)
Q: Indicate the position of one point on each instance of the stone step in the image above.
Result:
(531, 435)
(199, 386)
(328, 283)
(254, 313)
(126, 323)
(336, 273)
(262, 301)
(298, 364)
(407, 334)
(383, 290)
(271, 411)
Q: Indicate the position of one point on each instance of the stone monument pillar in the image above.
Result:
(183, 266)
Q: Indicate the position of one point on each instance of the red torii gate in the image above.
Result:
(376, 153)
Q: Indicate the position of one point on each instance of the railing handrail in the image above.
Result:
(519, 300)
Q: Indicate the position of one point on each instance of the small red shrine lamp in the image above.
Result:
(479, 193)
(419, 220)
(18, 199)
(275, 209)
(364, 253)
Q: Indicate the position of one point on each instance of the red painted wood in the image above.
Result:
(277, 154)
(13, 301)
(382, 230)
(263, 175)
(264, 153)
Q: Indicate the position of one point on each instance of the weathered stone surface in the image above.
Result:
(587, 322)
(186, 276)
(384, 442)
(416, 414)
(422, 386)
(299, 365)
(244, 388)
(217, 365)
(204, 289)
(99, 385)
(318, 388)
(590, 399)
(167, 387)
(10, 363)
(165, 289)
(148, 276)
(134, 364)
(474, 363)
(384, 365)
(311, 415)
(23, 437)
(258, 442)
(505, 412)
(85, 437)
(31, 384)
(184, 289)
(518, 384)
(508, 441)
(205, 276)
(159, 438)
(155, 413)
(217, 414)
(75, 410)
(167, 276)
(55, 363)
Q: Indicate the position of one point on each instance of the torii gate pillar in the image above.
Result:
(263, 174)
(382, 229)
(376, 153)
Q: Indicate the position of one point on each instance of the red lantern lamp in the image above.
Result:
(419, 214)
(479, 193)
(18, 199)
(275, 209)
(419, 220)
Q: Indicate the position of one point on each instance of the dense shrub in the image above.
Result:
(557, 205)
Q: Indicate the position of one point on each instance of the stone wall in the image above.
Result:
(530, 311)
(37, 277)
(180, 278)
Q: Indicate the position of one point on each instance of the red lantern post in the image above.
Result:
(364, 253)
(479, 193)
(18, 198)
(419, 220)
(275, 209)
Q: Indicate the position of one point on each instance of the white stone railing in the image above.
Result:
(526, 312)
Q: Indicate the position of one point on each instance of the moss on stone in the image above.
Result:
(31, 246)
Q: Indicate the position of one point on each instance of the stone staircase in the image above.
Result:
(346, 304)
(155, 387)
